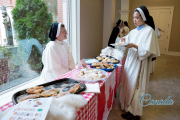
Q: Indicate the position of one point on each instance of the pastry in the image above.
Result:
(121, 43)
(35, 89)
(59, 95)
(30, 96)
(74, 88)
(98, 67)
(50, 92)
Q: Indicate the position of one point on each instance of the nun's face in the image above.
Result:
(62, 35)
(138, 21)
(122, 23)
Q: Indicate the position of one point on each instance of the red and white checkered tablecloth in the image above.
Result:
(99, 105)
(3, 108)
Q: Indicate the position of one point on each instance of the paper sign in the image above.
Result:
(31, 109)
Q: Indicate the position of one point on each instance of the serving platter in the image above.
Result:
(89, 80)
(65, 84)
(110, 58)
(106, 69)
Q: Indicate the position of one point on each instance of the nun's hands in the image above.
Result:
(123, 39)
(130, 45)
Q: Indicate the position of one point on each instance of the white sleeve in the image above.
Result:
(71, 60)
(143, 54)
(52, 62)
(158, 34)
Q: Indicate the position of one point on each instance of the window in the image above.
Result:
(24, 28)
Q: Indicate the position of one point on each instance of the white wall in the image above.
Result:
(108, 20)
(117, 9)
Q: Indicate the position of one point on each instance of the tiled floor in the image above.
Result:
(164, 82)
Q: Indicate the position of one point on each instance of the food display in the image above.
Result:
(55, 88)
(106, 66)
(90, 74)
(51, 92)
(107, 59)
(102, 65)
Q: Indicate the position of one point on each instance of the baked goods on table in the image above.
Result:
(50, 92)
(90, 74)
(74, 88)
(60, 95)
(102, 65)
(35, 89)
(30, 96)
(98, 65)
(106, 59)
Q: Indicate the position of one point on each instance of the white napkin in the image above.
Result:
(93, 88)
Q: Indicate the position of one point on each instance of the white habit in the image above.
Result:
(57, 60)
(136, 73)
(158, 35)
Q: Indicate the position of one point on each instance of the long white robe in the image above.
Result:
(158, 35)
(57, 60)
(136, 73)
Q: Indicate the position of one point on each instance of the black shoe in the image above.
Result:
(130, 116)
(135, 118)
(126, 116)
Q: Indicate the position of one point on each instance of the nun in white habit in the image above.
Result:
(143, 46)
(57, 57)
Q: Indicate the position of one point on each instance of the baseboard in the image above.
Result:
(173, 53)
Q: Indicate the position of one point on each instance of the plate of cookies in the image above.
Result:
(106, 66)
(107, 59)
(55, 88)
(90, 75)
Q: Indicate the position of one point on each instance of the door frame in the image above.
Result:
(170, 23)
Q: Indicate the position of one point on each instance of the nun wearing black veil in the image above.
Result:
(143, 46)
(57, 58)
(114, 33)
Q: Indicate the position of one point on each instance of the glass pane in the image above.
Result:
(24, 30)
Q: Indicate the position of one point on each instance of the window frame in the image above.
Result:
(75, 29)
(74, 41)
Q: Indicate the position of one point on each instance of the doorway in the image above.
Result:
(163, 19)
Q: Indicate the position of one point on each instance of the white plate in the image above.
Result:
(90, 81)
(119, 44)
